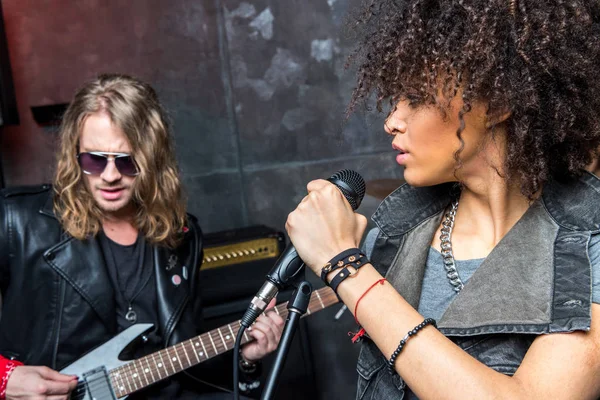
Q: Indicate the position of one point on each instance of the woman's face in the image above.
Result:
(426, 141)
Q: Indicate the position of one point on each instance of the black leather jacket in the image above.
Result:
(57, 297)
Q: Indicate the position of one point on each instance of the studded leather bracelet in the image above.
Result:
(352, 257)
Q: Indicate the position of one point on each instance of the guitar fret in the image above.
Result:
(170, 361)
(178, 358)
(186, 355)
(118, 378)
(222, 339)
(203, 348)
(277, 310)
(155, 366)
(213, 343)
(162, 363)
(142, 368)
(194, 349)
(130, 376)
(127, 379)
(232, 334)
(319, 297)
(150, 370)
(135, 374)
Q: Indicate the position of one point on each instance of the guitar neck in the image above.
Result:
(157, 366)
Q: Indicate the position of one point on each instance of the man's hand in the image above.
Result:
(267, 331)
(37, 383)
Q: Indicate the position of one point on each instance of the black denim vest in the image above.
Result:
(537, 280)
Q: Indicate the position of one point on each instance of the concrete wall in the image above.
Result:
(256, 90)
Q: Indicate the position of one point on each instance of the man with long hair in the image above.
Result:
(107, 246)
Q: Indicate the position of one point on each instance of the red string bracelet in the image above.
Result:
(6, 368)
(362, 331)
(382, 280)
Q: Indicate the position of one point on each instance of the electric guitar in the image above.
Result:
(102, 376)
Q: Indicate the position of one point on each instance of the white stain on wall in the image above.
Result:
(263, 23)
(322, 50)
(286, 70)
(244, 10)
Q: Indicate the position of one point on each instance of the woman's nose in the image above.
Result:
(394, 124)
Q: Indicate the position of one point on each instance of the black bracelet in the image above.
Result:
(342, 275)
(353, 257)
(414, 331)
(248, 367)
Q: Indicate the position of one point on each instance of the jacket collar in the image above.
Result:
(81, 263)
(172, 269)
(573, 205)
(409, 206)
(48, 206)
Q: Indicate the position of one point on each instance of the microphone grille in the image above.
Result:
(351, 184)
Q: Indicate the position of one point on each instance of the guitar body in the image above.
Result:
(92, 369)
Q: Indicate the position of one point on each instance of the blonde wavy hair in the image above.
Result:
(133, 106)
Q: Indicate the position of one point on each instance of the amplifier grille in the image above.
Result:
(249, 250)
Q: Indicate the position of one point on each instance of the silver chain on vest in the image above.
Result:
(446, 232)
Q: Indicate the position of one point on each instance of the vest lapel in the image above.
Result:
(514, 283)
(408, 268)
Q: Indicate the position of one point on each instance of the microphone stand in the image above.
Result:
(297, 306)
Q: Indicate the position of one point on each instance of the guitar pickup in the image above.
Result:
(97, 385)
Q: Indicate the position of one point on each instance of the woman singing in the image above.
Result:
(482, 278)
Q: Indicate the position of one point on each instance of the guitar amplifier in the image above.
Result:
(235, 264)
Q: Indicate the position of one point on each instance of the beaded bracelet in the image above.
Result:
(353, 257)
(414, 331)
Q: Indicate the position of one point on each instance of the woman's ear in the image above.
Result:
(497, 118)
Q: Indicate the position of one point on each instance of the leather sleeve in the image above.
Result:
(4, 246)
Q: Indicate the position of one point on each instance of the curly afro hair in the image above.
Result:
(538, 59)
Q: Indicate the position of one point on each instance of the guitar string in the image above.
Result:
(282, 308)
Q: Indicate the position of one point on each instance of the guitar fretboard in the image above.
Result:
(154, 367)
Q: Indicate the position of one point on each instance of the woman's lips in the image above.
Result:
(401, 158)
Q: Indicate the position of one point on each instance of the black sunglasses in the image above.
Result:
(94, 162)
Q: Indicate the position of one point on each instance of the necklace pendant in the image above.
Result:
(131, 316)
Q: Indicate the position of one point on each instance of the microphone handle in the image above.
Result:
(288, 266)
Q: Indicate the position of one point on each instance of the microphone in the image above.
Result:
(289, 265)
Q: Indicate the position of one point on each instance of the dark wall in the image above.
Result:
(256, 90)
